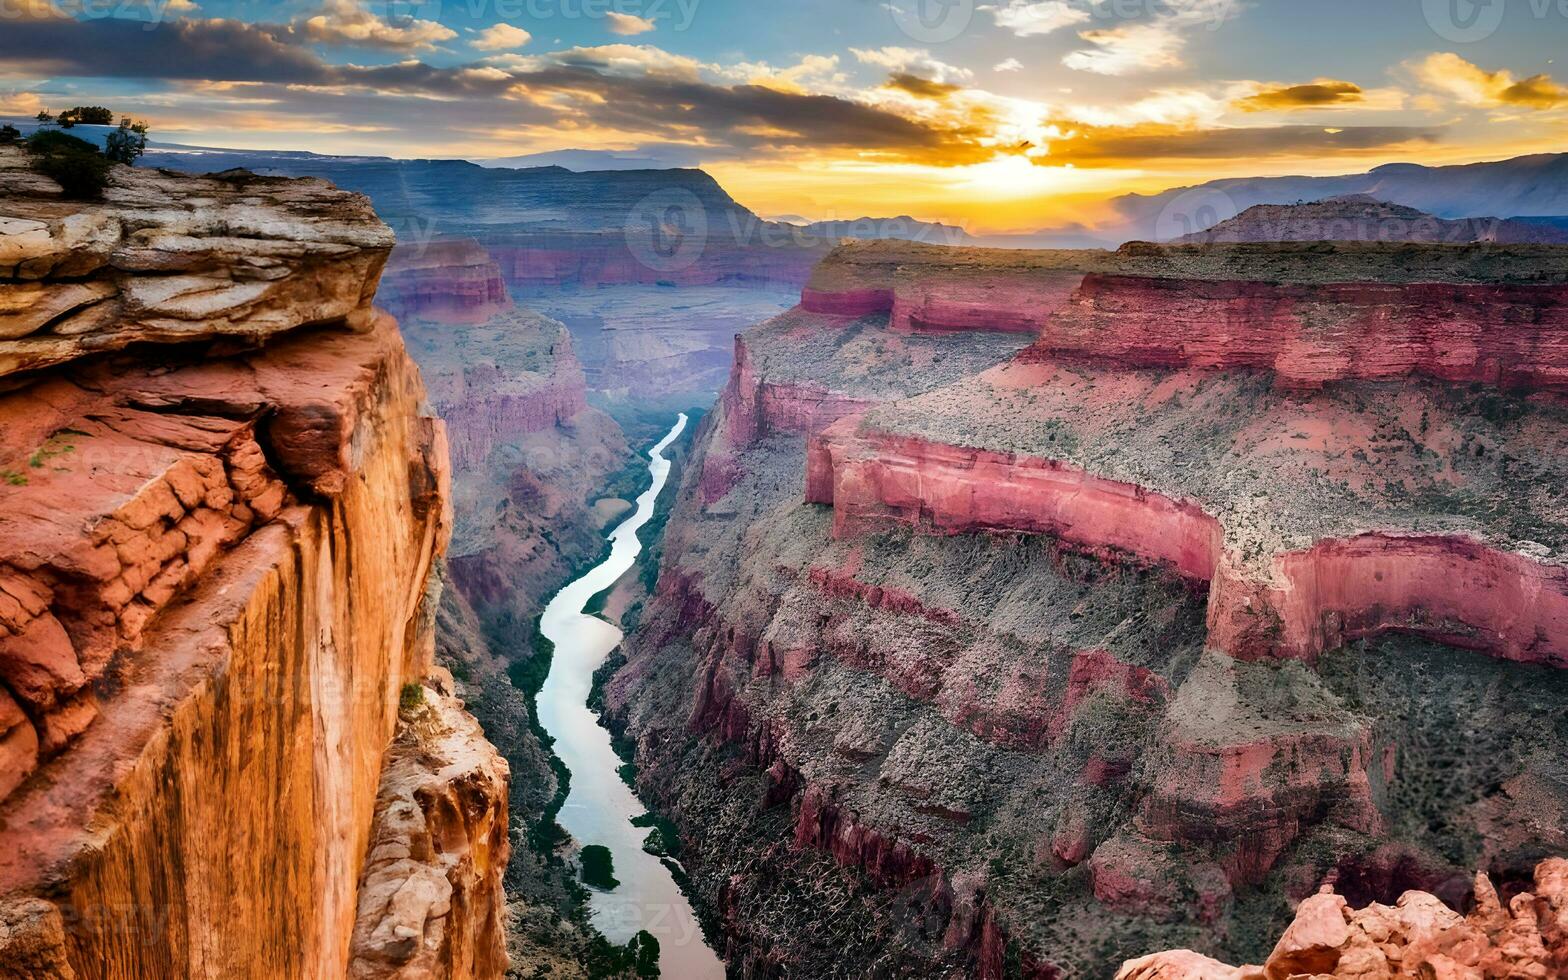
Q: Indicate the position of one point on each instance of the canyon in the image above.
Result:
(1019, 613)
(1035, 610)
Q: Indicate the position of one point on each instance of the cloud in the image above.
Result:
(501, 37)
(1323, 93)
(267, 77)
(813, 72)
(1011, 64)
(920, 88)
(627, 24)
(1452, 75)
(1152, 44)
(630, 59)
(1180, 108)
(1029, 18)
(1109, 147)
(349, 22)
(1129, 49)
(913, 61)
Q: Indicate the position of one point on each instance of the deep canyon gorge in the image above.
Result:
(987, 613)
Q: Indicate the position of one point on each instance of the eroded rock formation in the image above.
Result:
(1418, 936)
(430, 897)
(1053, 626)
(221, 504)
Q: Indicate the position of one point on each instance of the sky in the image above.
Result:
(994, 115)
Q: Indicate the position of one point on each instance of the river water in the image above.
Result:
(599, 807)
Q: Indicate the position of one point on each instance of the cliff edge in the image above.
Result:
(221, 499)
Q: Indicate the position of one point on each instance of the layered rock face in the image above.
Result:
(1057, 635)
(166, 259)
(447, 279)
(215, 556)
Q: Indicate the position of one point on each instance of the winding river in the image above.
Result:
(599, 807)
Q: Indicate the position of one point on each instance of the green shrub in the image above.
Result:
(9, 134)
(76, 165)
(411, 697)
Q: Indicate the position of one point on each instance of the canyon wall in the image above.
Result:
(217, 546)
(1020, 632)
(448, 279)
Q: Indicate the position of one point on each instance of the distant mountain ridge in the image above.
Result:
(1534, 185)
(902, 227)
(1360, 217)
(465, 198)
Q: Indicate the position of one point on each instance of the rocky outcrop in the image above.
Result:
(216, 548)
(511, 377)
(1418, 936)
(951, 490)
(168, 259)
(430, 896)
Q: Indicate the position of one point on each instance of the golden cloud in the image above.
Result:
(1452, 75)
(1323, 93)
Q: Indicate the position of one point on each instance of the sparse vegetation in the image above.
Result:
(75, 164)
(411, 697)
(127, 143)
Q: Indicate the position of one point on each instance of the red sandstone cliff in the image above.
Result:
(214, 557)
(1050, 625)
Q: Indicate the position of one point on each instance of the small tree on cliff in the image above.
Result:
(126, 144)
